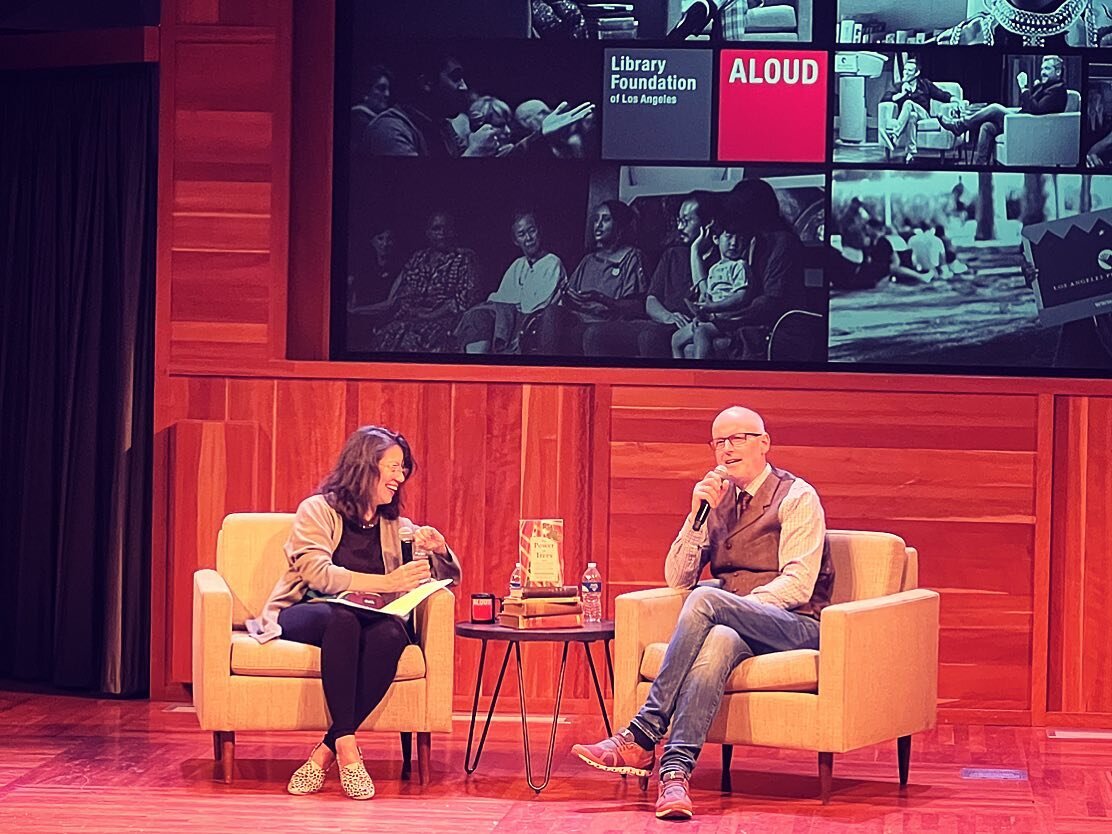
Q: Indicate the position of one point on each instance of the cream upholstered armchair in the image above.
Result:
(873, 679)
(240, 684)
(1050, 139)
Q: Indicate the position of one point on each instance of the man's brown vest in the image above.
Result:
(745, 550)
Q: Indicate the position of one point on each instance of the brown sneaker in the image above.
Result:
(618, 754)
(673, 801)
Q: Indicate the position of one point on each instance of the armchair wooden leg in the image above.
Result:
(407, 751)
(424, 751)
(903, 754)
(224, 751)
(826, 776)
(727, 759)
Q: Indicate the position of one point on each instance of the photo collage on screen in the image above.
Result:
(647, 183)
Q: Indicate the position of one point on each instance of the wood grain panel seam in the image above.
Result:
(220, 250)
(1040, 580)
(224, 33)
(1083, 541)
(273, 444)
(248, 215)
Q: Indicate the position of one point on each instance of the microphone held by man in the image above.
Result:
(707, 494)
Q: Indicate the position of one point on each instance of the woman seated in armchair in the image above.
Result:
(528, 286)
(347, 537)
(608, 284)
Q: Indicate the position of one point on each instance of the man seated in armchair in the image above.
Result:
(913, 99)
(765, 542)
(1047, 95)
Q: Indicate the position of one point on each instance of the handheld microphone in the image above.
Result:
(704, 505)
(693, 21)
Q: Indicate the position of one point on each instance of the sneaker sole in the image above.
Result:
(674, 814)
(624, 771)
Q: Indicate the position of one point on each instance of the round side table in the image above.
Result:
(513, 637)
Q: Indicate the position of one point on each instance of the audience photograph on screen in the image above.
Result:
(1050, 24)
(957, 108)
(632, 263)
(927, 268)
(708, 21)
(469, 99)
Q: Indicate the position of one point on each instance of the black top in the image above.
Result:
(925, 91)
(671, 283)
(1043, 99)
(776, 283)
(360, 549)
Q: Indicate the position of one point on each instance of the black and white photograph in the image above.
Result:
(425, 243)
(712, 21)
(1096, 132)
(472, 99)
(1050, 24)
(653, 263)
(957, 108)
(928, 269)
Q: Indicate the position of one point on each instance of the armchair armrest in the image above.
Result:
(212, 648)
(436, 634)
(640, 618)
(878, 669)
(1050, 139)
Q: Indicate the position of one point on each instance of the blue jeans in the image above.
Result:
(716, 631)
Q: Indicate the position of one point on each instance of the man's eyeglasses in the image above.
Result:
(734, 440)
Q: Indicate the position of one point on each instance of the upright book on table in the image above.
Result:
(540, 550)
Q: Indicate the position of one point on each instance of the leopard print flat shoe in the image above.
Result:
(355, 780)
(307, 779)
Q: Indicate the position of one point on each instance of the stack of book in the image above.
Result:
(610, 21)
(555, 607)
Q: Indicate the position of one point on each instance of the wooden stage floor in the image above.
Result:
(72, 764)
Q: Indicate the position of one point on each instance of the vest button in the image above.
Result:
(729, 545)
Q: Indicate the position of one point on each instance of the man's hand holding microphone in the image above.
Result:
(708, 494)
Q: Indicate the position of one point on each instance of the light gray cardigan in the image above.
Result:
(314, 537)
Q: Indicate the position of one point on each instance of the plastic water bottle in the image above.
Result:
(517, 578)
(591, 590)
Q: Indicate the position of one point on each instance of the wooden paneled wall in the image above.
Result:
(1004, 485)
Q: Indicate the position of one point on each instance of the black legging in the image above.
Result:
(359, 655)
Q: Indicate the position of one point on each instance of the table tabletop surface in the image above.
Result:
(492, 631)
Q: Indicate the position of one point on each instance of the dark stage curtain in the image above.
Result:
(77, 229)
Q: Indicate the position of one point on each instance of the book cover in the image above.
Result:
(551, 621)
(541, 551)
(567, 592)
(398, 605)
(1072, 263)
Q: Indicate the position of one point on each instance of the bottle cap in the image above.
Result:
(592, 565)
(519, 564)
